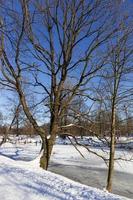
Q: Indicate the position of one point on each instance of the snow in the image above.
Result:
(21, 178)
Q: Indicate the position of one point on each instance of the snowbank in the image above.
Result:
(21, 180)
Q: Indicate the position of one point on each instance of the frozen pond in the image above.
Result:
(96, 177)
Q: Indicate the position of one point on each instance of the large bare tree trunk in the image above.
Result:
(47, 145)
(47, 150)
(112, 152)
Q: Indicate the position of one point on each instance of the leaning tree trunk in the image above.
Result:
(112, 153)
(5, 137)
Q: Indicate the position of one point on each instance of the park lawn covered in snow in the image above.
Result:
(20, 180)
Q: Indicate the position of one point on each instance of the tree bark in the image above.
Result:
(47, 150)
(48, 144)
(112, 152)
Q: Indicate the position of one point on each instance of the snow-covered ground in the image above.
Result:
(21, 178)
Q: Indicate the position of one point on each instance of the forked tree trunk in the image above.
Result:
(112, 153)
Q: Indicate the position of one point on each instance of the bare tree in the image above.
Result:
(53, 41)
(116, 90)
